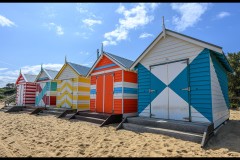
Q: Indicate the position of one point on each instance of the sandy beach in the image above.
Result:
(24, 135)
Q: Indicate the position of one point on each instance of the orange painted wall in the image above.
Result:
(130, 77)
(118, 76)
(92, 105)
(103, 62)
(130, 105)
(93, 80)
(118, 106)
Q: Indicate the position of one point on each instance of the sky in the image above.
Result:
(32, 34)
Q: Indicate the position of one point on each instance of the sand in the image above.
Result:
(24, 135)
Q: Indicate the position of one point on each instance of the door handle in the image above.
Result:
(151, 90)
(186, 89)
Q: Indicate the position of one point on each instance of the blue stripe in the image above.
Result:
(93, 91)
(106, 66)
(125, 90)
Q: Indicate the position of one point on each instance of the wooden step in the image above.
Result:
(89, 119)
(68, 116)
(173, 133)
(51, 112)
(94, 115)
(169, 124)
(45, 114)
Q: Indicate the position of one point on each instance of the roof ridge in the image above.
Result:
(118, 56)
(194, 38)
(78, 64)
(30, 74)
(50, 69)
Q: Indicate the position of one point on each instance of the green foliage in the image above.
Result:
(8, 90)
(234, 79)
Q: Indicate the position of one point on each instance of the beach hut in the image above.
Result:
(46, 90)
(73, 88)
(26, 90)
(113, 86)
(183, 78)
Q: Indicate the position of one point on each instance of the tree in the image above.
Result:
(234, 79)
(10, 85)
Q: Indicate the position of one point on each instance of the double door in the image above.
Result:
(172, 100)
(104, 93)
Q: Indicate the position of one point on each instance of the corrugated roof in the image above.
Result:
(223, 59)
(195, 39)
(123, 61)
(51, 73)
(82, 70)
(30, 77)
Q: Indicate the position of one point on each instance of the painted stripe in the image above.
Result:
(107, 71)
(84, 84)
(93, 96)
(130, 85)
(93, 87)
(125, 84)
(106, 66)
(81, 101)
(93, 91)
(125, 90)
(118, 84)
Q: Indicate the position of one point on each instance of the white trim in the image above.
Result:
(99, 58)
(146, 51)
(122, 67)
(25, 79)
(107, 71)
(115, 62)
(182, 37)
(47, 74)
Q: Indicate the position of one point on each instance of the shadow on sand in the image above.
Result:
(227, 137)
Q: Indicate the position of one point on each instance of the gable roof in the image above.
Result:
(120, 61)
(50, 73)
(123, 61)
(82, 70)
(79, 69)
(29, 77)
(215, 48)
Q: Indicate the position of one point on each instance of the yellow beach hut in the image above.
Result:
(73, 88)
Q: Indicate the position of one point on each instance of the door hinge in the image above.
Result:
(186, 89)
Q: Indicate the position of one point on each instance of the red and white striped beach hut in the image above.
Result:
(26, 90)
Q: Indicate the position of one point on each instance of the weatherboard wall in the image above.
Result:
(173, 49)
(73, 90)
(219, 85)
(124, 89)
(25, 92)
(46, 91)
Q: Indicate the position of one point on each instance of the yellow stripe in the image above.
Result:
(74, 97)
(80, 97)
(69, 103)
(87, 89)
(83, 106)
(84, 80)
